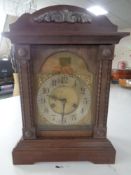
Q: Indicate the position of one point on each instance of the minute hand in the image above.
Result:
(63, 109)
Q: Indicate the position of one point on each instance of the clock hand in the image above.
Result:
(63, 100)
(56, 98)
(63, 112)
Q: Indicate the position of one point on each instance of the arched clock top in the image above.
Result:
(47, 26)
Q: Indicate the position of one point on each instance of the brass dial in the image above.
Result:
(63, 99)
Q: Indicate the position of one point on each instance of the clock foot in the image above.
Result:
(98, 151)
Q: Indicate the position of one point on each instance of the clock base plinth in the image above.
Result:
(99, 151)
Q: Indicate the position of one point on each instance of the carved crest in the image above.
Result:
(64, 16)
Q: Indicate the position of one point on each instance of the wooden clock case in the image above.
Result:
(59, 28)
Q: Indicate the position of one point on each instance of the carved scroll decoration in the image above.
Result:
(64, 16)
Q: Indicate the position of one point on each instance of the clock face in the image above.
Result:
(64, 92)
(63, 99)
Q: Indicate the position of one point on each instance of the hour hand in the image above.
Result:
(53, 97)
(56, 98)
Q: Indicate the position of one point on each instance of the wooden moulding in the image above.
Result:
(94, 150)
(68, 134)
(31, 28)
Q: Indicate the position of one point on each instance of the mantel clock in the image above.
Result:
(64, 58)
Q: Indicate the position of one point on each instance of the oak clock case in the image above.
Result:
(64, 59)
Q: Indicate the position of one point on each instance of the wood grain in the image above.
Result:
(95, 150)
